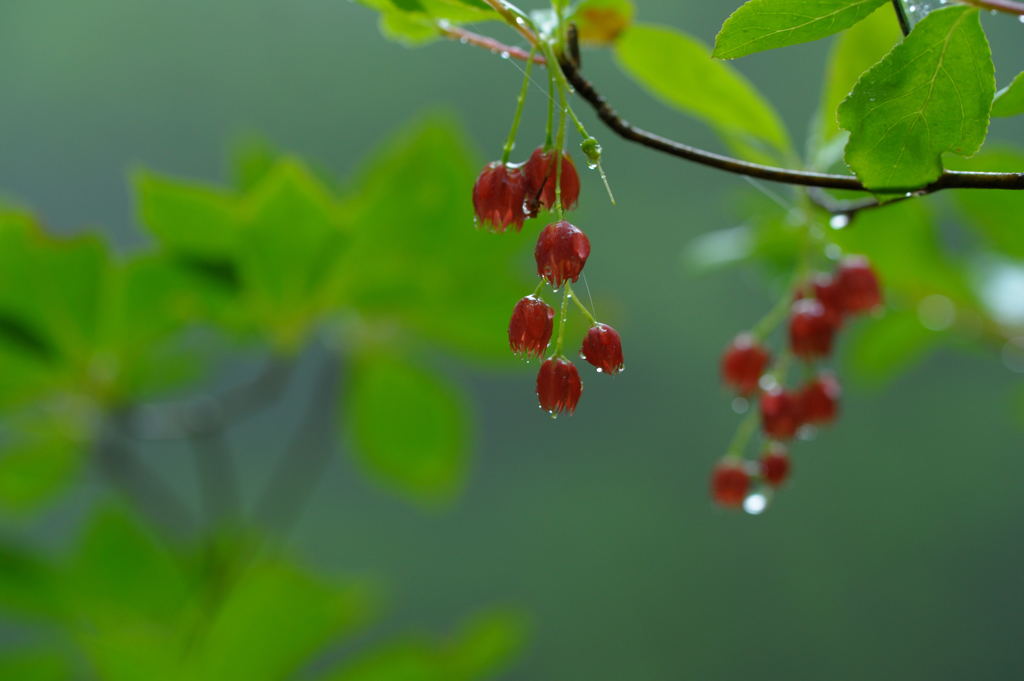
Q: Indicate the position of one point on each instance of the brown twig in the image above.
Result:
(469, 38)
(1005, 6)
(948, 180)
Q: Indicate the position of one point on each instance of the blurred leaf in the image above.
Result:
(416, 257)
(601, 22)
(479, 651)
(1010, 100)
(121, 573)
(252, 159)
(150, 306)
(52, 286)
(931, 94)
(720, 248)
(409, 428)
(883, 347)
(484, 646)
(415, 22)
(28, 584)
(274, 617)
(39, 454)
(768, 24)
(853, 53)
(34, 665)
(994, 214)
(293, 237)
(679, 69)
(186, 217)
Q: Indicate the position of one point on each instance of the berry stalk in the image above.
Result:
(510, 142)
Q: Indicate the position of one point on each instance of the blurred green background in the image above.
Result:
(895, 552)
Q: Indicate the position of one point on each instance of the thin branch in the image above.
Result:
(948, 180)
(516, 19)
(469, 38)
(1005, 6)
(309, 452)
(901, 15)
(218, 487)
(208, 415)
(827, 203)
(122, 466)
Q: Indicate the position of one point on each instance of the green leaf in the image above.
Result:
(476, 653)
(293, 238)
(416, 22)
(679, 69)
(408, 428)
(932, 94)
(121, 571)
(272, 620)
(416, 258)
(854, 52)
(52, 286)
(28, 584)
(484, 646)
(34, 665)
(883, 347)
(186, 217)
(39, 455)
(768, 24)
(150, 306)
(1010, 100)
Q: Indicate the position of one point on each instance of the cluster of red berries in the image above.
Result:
(506, 194)
(817, 313)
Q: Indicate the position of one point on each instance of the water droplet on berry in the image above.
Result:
(768, 382)
(937, 313)
(839, 221)
(755, 504)
(740, 405)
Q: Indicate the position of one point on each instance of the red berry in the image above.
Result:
(810, 329)
(819, 399)
(558, 385)
(781, 414)
(562, 251)
(828, 293)
(540, 173)
(529, 330)
(858, 284)
(498, 197)
(602, 347)
(743, 363)
(729, 484)
(775, 465)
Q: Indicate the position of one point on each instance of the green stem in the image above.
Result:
(510, 142)
(743, 434)
(583, 309)
(563, 315)
(549, 134)
(559, 150)
(540, 285)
